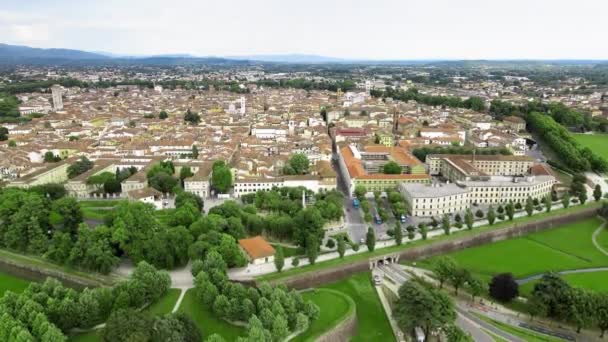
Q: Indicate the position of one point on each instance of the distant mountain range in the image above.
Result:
(17, 54)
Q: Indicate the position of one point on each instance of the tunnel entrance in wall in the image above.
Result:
(383, 261)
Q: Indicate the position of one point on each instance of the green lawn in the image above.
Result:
(393, 249)
(9, 282)
(594, 281)
(372, 321)
(565, 247)
(596, 142)
(95, 214)
(334, 307)
(525, 334)
(207, 323)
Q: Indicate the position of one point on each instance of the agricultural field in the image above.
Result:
(563, 248)
(596, 142)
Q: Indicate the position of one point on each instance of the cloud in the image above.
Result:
(30, 33)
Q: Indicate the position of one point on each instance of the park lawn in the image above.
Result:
(602, 239)
(276, 276)
(526, 334)
(596, 142)
(9, 282)
(563, 248)
(206, 322)
(373, 324)
(165, 304)
(574, 239)
(95, 214)
(334, 307)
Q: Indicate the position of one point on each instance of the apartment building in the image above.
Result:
(455, 167)
(363, 167)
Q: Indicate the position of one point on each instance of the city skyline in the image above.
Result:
(384, 30)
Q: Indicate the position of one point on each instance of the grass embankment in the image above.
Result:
(457, 234)
(372, 321)
(525, 334)
(334, 308)
(37, 262)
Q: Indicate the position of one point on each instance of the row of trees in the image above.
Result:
(46, 311)
(475, 103)
(555, 298)
(272, 313)
(422, 152)
(301, 83)
(574, 156)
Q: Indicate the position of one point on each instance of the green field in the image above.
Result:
(565, 247)
(9, 282)
(596, 142)
(372, 321)
(456, 235)
(206, 321)
(334, 307)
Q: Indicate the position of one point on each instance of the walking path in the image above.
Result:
(594, 239)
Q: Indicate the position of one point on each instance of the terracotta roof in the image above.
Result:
(257, 247)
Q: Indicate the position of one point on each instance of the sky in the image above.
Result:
(352, 29)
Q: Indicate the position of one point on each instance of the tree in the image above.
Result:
(370, 239)
(360, 192)
(3, 133)
(184, 197)
(299, 164)
(597, 193)
(548, 203)
(529, 206)
(163, 115)
(423, 307)
(341, 246)
(163, 182)
(582, 197)
(503, 287)
(601, 300)
(192, 118)
(279, 259)
(79, 167)
(566, 200)
(312, 248)
(69, 209)
(423, 230)
(221, 177)
(391, 168)
(49, 157)
(185, 172)
(443, 269)
(12, 143)
(491, 215)
(280, 328)
(476, 287)
(536, 307)
(510, 210)
(469, 219)
(458, 278)
(194, 152)
(479, 213)
(127, 325)
(445, 224)
(398, 234)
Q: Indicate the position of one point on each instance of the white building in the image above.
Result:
(57, 93)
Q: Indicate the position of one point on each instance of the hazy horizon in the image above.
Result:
(351, 30)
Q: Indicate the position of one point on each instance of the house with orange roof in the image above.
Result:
(257, 250)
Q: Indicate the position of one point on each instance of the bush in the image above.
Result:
(479, 213)
(295, 262)
(503, 287)
(330, 243)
